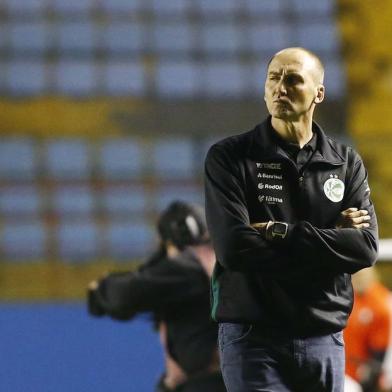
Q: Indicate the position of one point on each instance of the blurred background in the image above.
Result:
(107, 108)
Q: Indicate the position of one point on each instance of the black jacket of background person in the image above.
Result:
(175, 291)
(301, 285)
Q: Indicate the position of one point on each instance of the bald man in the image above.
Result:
(291, 219)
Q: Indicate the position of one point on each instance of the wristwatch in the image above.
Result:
(276, 230)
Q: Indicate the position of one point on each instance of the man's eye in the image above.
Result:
(293, 79)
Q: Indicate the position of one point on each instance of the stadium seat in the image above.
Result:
(121, 159)
(121, 6)
(72, 7)
(217, 7)
(24, 7)
(178, 78)
(268, 37)
(221, 38)
(78, 240)
(265, 8)
(25, 77)
(119, 37)
(19, 201)
(124, 78)
(73, 201)
(67, 159)
(173, 159)
(29, 37)
(3, 38)
(23, 240)
(76, 37)
(173, 37)
(129, 239)
(17, 159)
(258, 74)
(75, 78)
(124, 200)
(323, 8)
(319, 37)
(169, 193)
(335, 79)
(170, 8)
(225, 79)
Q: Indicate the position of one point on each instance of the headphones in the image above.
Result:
(183, 224)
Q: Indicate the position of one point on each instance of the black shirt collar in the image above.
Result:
(324, 152)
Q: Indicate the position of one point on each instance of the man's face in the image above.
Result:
(293, 85)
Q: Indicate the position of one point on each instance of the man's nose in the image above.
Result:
(281, 87)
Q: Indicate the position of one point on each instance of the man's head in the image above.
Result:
(183, 224)
(294, 84)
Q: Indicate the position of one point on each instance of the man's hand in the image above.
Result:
(93, 304)
(261, 228)
(353, 218)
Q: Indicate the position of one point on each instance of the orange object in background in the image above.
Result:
(369, 326)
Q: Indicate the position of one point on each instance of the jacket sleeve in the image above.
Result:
(237, 245)
(345, 250)
(150, 289)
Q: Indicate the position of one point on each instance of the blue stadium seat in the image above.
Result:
(319, 36)
(29, 36)
(335, 79)
(173, 37)
(121, 6)
(265, 8)
(76, 78)
(23, 240)
(78, 240)
(173, 159)
(122, 37)
(3, 38)
(75, 36)
(124, 200)
(17, 159)
(16, 201)
(268, 37)
(168, 193)
(124, 78)
(170, 8)
(258, 74)
(129, 239)
(225, 79)
(67, 159)
(26, 77)
(77, 201)
(121, 159)
(24, 7)
(178, 78)
(218, 7)
(323, 8)
(221, 38)
(72, 7)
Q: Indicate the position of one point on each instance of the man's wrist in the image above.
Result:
(276, 231)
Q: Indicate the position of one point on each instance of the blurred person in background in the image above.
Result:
(290, 217)
(173, 285)
(368, 333)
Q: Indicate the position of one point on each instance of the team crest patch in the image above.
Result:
(334, 189)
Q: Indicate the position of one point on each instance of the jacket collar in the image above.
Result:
(325, 151)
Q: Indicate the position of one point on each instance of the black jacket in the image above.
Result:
(175, 291)
(301, 285)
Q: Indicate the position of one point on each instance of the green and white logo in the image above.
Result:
(334, 189)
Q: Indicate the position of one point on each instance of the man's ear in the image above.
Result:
(320, 94)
